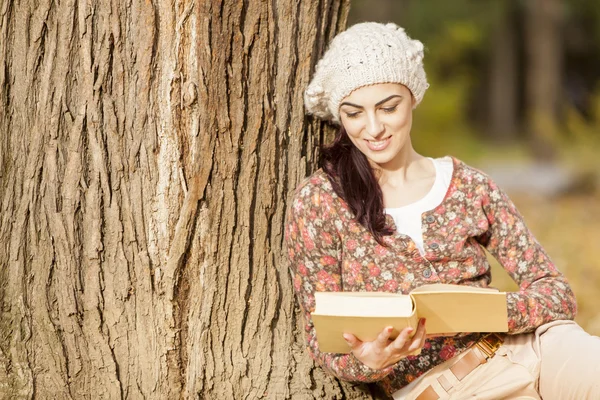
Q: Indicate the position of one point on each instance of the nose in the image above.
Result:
(374, 126)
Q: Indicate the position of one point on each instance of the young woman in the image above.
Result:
(379, 216)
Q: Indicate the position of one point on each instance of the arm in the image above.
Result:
(313, 247)
(544, 294)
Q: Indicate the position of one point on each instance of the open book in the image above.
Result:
(447, 308)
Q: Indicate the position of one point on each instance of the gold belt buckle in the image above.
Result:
(489, 344)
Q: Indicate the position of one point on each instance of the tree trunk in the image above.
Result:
(147, 150)
(544, 73)
(503, 96)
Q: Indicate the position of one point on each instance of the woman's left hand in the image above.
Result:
(383, 351)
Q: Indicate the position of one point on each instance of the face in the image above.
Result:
(378, 118)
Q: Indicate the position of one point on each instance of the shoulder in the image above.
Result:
(318, 182)
(470, 177)
(478, 187)
(314, 193)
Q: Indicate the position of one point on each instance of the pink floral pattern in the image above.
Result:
(329, 250)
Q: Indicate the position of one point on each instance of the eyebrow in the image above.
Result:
(376, 105)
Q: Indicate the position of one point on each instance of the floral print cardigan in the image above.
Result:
(329, 250)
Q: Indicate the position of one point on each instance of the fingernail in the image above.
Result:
(346, 337)
(422, 321)
(390, 329)
(410, 330)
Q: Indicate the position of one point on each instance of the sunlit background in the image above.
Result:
(515, 91)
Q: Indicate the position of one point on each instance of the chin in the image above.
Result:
(379, 159)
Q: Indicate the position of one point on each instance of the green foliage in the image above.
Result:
(580, 144)
(428, 18)
(439, 126)
(588, 13)
(454, 34)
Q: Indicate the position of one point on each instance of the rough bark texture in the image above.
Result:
(147, 150)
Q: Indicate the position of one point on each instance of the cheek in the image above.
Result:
(354, 135)
(352, 129)
(356, 141)
(403, 120)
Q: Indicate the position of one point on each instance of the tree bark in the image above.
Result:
(147, 150)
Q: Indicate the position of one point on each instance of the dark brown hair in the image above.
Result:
(353, 179)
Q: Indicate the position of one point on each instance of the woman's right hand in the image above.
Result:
(383, 352)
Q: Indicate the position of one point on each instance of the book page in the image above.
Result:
(363, 304)
(462, 311)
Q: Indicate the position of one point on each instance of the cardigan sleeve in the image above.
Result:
(544, 294)
(314, 250)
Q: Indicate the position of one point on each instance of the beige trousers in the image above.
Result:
(558, 361)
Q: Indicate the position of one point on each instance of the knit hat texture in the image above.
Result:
(365, 54)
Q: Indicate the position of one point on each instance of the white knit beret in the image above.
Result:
(365, 54)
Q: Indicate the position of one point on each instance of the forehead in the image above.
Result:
(371, 94)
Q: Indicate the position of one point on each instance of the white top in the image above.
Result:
(408, 217)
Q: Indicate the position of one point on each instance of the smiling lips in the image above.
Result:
(378, 145)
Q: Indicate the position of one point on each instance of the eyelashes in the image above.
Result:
(387, 110)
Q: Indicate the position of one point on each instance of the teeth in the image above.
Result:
(376, 144)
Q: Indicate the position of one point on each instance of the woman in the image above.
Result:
(379, 216)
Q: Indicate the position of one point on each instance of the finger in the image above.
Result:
(402, 338)
(420, 329)
(421, 325)
(418, 340)
(384, 337)
(352, 340)
(423, 340)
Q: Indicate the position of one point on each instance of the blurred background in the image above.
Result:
(515, 91)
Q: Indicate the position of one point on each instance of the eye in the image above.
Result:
(389, 110)
(352, 114)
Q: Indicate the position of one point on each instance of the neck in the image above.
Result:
(404, 167)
